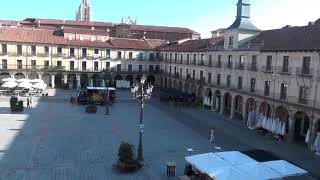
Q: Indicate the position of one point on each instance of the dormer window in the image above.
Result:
(231, 41)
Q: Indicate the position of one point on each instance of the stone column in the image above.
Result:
(65, 79)
(244, 112)
(232, 108)
(221, 105)
(52, 81)
(313, 125)
(290, 135)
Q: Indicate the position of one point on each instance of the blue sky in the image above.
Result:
(200, 15)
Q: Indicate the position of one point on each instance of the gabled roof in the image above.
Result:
(305, 38)
(84, 31)
(191, 45)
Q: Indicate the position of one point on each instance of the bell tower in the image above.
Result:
(84, 11)
(242, 28)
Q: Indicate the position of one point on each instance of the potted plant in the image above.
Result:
(126, 161)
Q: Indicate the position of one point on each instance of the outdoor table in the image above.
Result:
(171, 169)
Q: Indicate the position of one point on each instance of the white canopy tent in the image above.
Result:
(23, 80)
(8, 79)
(284, 168)
(9, 84)
(236, 165)
(36, 81)
(40, 85)
(25, 84)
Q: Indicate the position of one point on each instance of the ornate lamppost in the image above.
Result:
(141, 93)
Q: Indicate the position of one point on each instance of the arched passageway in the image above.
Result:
(96, 82)
(33, 76)
(58, 80)
(72, 81)
(227, 100)
(200, 92)
(84, 80)
(19, 76)
(130, 79)
(186, 88)
(151, 80)
(250, 107)
(301, 126)
(238, 107)
(4, 76)
(180, 86)
(193, 89)
(265, 109)
(46, 77)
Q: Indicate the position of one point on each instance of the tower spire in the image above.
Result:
(243, 17)
(84, 11)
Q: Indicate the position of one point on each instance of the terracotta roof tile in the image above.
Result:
(130, 43)
(85, 31)
(97, 44)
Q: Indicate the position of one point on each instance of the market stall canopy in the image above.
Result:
(8, 79)
(102, 88)
(23, 80)
(284, 168)
(40, 85)
(36, 81)
(25, 84)
(10, 84)
(236, 165)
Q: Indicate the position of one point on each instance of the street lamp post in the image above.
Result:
(141, 94)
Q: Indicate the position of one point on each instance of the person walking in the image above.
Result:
(28, 102)
(31, 101)
(212, 136)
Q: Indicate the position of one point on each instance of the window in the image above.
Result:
(228, 81)
(84, 65)
(267, 88)
(150, 68)
(285, 65)
(93, 38)
(218, 79)
(72, 52)
(283, 91)
(71, 65)
(33, 50)
(157, 68)
(254, 62)
(19, 64)
(119, 55)
(59, 63)
(96, 66)
(209, 78)
(19, 49)
(59, 50)
(4, 49)
(166, 58)
(187, 73)
(231, 41)
(151, 56)
(269, 63)
(201, 76)
(46, 64)
(180, 72)
(306, 65)
(219, 60)
(202, 58)
(84, 52)
(188, 57)
(4, 64)
(229, 65)
(141, 68)
(46, 50)
(130, 55)
(252, 85)
(70, 37)
(108, 53)
(241, 61)
(303, 95)
(33, 63)
(193, 74)
(129, 67)
(170, 70)
(194, 58)
(170, 57)
(239, 82)
(181, 58)
(175, 70)
(96, 51)
(210, 60)
(141, 56)
(119, 67)
(107, 65)
(175, 57)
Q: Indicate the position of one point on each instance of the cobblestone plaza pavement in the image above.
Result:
(55, 140)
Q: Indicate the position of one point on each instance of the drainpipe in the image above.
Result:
(314, 105)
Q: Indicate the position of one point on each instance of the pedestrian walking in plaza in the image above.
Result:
(212, 136)
(31, 101)
(28, 102)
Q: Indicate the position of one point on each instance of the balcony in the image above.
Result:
(284, 70)
(228, 65)
(252, 67)
(304, 72)
(268, 69)
(217, 65)
(58, 55)
(43, 54)
(3, 53)
(239, 66)
(14, 53)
